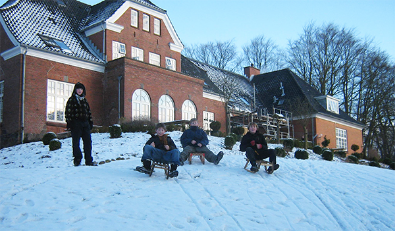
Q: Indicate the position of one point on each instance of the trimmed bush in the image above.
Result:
(139, 126)
(353, 159)
(317, 150)
(215, 125)
(357, 155)
(229, 142)
(115, 131)
(374, 164)
(301, 154)
(392, 165)
(326, 142)
(288, 144)
(280, 152)
(354, 147)
(235, 137)
(327, 155)
(341, 154)
(54, 144)
(48, 137)
(238, 131)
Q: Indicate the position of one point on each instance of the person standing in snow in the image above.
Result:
(255, 146)
(160, 147)
(79, 122)
(195, 139)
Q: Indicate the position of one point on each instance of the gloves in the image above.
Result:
(252, 142)
(259, 146)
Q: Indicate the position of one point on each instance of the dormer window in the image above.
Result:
(330, 103)
(56, 43)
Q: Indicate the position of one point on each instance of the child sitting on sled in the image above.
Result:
(161, 148)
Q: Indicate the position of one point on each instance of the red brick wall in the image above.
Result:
(218, 109)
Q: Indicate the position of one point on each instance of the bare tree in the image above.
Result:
(262, 53)
(302, 112)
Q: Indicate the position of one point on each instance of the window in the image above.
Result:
(341, 138)
(134, 18)
(188, 110)
(137, 54)
(154, 59)
(332, 105)
(170, 63)
(166, 109)
(56, 43)
(145, 22)
(141, 105)
(156, 26)
(57, 95)
(118, 50)
(1, 100)
(208, 117)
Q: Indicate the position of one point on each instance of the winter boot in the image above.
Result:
(254, 168)
(219, 158)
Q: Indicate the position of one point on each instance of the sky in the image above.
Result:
(203, 21)
(42, 190)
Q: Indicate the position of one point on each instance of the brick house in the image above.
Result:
(126, 53)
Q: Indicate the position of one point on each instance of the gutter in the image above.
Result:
(23, 96)
(119, 99)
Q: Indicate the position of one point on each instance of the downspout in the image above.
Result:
(104, 41)
(23, 96)
(119, 98)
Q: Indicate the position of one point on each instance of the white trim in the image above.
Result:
(114, 27)
(53, 57)
(212, 96)
(176, 46)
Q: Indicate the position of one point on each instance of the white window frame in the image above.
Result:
(118, 50)
(154, 59)
(146, 22)
(57, 95)
(188, 110)
(166, 109)
(332, 105)
(137, 54)
(208, 117)
(134, 18)
(1, 100)
(156, 26)
(170, 64)
(341, 138)
(141, 105)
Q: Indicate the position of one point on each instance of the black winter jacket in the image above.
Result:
(161, 145)
(78, 109)
(247, 138)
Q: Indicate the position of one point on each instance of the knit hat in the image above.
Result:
(79, 85)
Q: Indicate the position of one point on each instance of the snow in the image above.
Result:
(42, 190)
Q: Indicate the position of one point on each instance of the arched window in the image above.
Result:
(166, 109)
(188, 110)
(141, 105)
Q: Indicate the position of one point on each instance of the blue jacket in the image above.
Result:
(194, 133)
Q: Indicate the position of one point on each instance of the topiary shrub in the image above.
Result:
(392, 165)
(280, 152)
(301, 154)
(115, 131)
(235, 137)
(138, 126)
(48, 137)
(327, 155)
(54, 144)
(288, 144)
(238, 130)
(374, 164)
(229, 142)
(354, 147)
(326, 142)
(215, 125)
(341, 154)
(317, 150)
(357, 155)
(353, 159)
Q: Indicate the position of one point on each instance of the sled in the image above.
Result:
(259, 163)
(160, 165)
(199, 154)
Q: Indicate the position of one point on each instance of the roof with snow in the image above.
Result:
(280, 88)
(243, 91)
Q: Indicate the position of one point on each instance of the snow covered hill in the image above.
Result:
(42, 190)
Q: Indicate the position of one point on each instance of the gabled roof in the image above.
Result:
(50, 25)
(244, 93)
(280, 88)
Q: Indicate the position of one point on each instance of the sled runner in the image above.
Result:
(259, 163)
(200, 155)
(164, 166)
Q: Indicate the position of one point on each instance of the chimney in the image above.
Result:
(251, 70)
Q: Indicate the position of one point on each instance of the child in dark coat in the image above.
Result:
(160, 147)
(255, 146)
